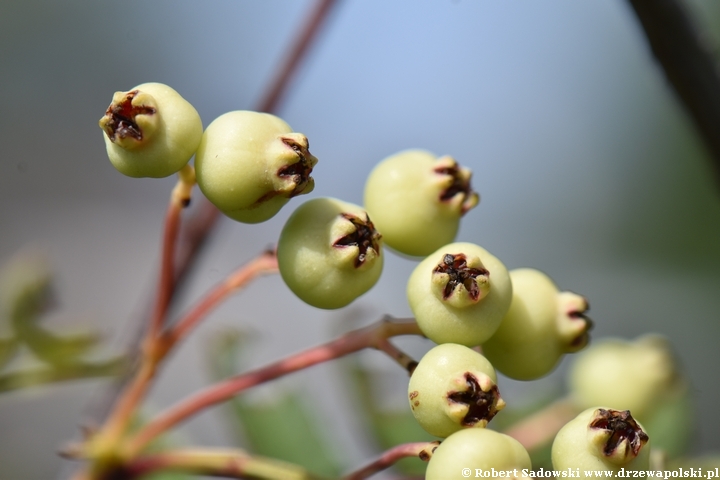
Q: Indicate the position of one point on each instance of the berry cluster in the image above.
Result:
(330, 252)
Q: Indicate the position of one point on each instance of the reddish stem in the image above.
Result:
(541, 427)
(351, 342)
(299, 50)
(166, 283)
(422, 450)
(266, 263)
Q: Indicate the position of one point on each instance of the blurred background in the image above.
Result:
(587, 166)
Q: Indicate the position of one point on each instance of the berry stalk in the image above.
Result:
(422, 450)
(368, 337)
(265, 263)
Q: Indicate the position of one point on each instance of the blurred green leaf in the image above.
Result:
(52, 348)
(8, 348)
(672, 425)
(284, 429)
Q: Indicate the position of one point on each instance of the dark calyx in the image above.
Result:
(455, 266)
(622, 426)
(122, 118)
(481, 405)
(364, 237)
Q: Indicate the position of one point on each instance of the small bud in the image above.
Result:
(469, 451)
(459, 294)
(329, 253)
(601, 439)
(453, 387)
(150, 131)
(638, 375)
(417, 200)
(251, 164)
(540, 327)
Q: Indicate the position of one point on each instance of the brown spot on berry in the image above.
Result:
(365, 237)
(481, 405)
(416, 403)
(622, 427)
(414, 394)
(121, 118)
(456, 267)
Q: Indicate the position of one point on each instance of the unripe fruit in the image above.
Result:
(626, 375)
(250, 164)
(453, 387)
(329, 253)
(601, 439)
(150, 131)
(541, 326)
(459, 294)
(476, 449)
(417, 200)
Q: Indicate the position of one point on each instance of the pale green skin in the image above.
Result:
(442, 370)
(402, 197)
(318, 273)
(237, 161)
(528, 345)
(175, 137)
(470, 325)
(638, 375)
(476, 448)
(574, 447)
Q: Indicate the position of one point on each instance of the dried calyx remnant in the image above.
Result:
(622, 428)
(456, 267)
(460, 184)
(299, 171)
(580, 314)
(481, 405)
(364, 236)
(120, 118)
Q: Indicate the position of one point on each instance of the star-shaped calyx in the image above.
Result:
(363, 236)
(298, 173)
(462, 277)
(456, 185)
(619, 435)
(482, 405)
(120, 121)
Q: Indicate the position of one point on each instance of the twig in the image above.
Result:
(541, 427)
(421, 450)
(688, 63)
(217, 463)
(265, 263)
(367, 337)
(179, 199)
(300, 49)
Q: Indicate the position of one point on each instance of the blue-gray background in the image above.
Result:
(587, 167)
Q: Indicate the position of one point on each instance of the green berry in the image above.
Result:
(635, 375)
(150, 131)
(541, 326)
(478, 449)
(250, 164)
(459, 294)
(601, 439)
(329, 253)
(453, 387)
(417, 200)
